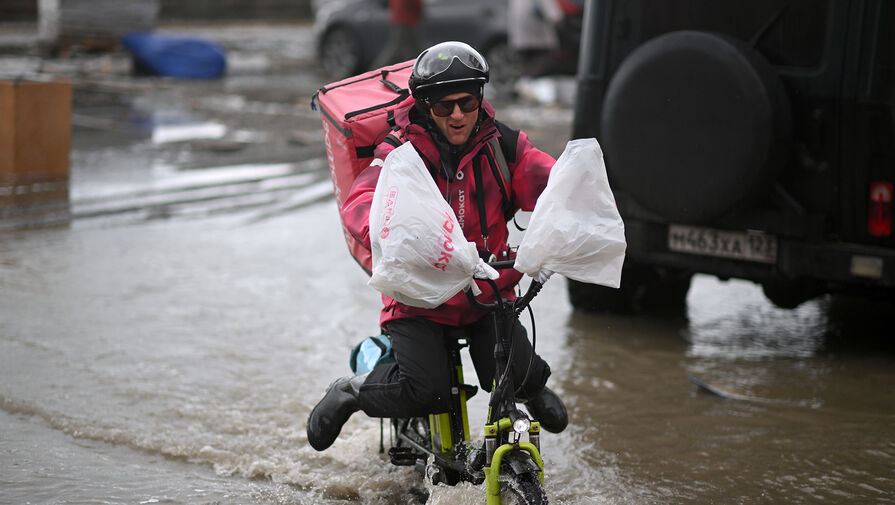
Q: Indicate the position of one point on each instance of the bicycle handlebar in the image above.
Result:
(503, 394)
(502, 265)
(500, 303)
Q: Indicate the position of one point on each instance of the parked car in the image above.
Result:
(351, 33)
(750, 138)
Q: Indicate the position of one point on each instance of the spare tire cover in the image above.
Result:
(694, 124)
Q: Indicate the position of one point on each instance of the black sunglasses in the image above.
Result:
(445, 108)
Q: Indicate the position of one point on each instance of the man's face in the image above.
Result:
(457, 126)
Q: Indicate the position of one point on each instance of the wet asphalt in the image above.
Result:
(201, 230)
(155, 147)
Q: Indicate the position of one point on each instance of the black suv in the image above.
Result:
(743, 138)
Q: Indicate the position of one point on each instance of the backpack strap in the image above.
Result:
(509, 140)
(503, 150)
(499, 166)
(393, 137)
(497, 159)
(501, 171)
(480, 198)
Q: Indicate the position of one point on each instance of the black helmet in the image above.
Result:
(447, 68)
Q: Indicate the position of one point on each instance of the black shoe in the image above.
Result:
(549, 410)
(333, 411)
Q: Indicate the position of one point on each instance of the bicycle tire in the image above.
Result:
(521, 489)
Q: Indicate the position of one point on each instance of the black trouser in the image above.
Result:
(419, 383)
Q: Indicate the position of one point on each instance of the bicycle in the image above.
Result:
(440, 446)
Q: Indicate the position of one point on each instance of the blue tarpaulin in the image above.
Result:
(176, 56)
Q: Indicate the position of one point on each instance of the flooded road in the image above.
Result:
(168, 346)
(177, 361)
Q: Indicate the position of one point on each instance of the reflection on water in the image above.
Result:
(733, 319)
(813, 422)
(189, 131)
(190, 354)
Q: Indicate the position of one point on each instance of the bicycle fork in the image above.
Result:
(504, 446)
(510, 433)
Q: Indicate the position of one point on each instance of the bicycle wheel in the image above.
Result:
(523, 489)
(519, 481)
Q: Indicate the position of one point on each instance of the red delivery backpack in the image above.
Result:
(357, 115)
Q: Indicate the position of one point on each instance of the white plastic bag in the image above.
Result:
(420, 256)
(575, 229)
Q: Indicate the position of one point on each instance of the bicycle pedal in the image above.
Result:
(402, 456)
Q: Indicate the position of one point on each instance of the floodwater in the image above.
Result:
(176, 362)
(168, 346)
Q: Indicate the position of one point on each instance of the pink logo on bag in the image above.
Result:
(445, 256)
(389, 210)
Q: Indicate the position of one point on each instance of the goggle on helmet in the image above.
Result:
(447, 65)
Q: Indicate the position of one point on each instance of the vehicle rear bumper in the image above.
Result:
(833, 263)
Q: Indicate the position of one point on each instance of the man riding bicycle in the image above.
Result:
(452, 127)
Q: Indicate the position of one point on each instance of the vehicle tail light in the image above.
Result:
(879, 222)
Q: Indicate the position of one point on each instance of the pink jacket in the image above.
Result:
(529, 169)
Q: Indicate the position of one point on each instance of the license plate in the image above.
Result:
(749, 246)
